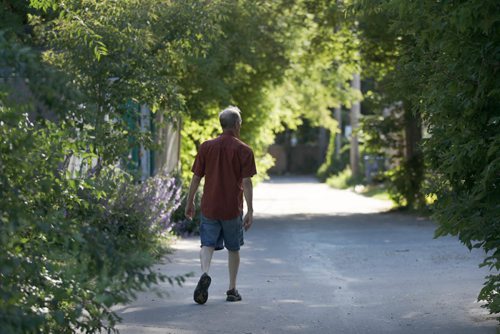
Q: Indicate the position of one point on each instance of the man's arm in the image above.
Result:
(248, 193)
(195, 183)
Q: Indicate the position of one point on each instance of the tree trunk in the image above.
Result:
(414, 163)
(322, 144)
(413, 134)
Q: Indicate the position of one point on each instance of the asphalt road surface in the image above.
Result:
(319, 260)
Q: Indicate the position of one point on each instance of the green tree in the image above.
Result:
(240, 66)
(392, 122)
(76, 241)
(460, 102)
(447, 69)
(278, 68)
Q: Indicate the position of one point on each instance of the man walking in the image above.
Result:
(228, 165)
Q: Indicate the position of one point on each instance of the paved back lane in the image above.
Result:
(318, 260)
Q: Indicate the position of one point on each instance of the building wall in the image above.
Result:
(298, 159)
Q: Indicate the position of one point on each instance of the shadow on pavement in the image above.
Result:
(324, 273)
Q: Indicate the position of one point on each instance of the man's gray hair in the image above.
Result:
(229, 117)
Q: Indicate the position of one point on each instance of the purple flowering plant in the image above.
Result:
(151, 202)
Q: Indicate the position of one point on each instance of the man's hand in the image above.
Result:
(248, 193)
(248, 220)
(189, 211)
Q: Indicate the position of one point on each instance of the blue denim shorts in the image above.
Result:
(222, 233)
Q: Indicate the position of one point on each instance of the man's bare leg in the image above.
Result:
(206, 254)
(201, 292)
(233, 264)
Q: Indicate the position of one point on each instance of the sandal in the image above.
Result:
(201, 292)
(233, 295)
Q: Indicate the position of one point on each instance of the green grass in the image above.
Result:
(342, 180)
(377, 192)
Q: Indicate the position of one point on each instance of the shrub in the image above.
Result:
(71, 246)
(342, 180)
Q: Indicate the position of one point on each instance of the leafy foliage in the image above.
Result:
(279, 69)
(71, 248)
(447, 70)
(240, 65)
(391, 125)
(74, 239)
(79, 235)
(462, 108)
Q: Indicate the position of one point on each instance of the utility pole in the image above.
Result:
(354, 116)
(338, 136)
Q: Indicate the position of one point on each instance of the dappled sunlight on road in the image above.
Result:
(305, 195)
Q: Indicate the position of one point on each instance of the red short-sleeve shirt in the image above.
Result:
(224, 162)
